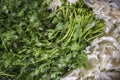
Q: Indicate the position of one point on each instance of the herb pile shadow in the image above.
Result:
(40, 45)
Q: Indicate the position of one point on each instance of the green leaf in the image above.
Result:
(59, 26)
(75, 46)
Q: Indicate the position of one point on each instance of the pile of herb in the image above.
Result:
(37, 44)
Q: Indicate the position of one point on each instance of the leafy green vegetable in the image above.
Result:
(39, 45)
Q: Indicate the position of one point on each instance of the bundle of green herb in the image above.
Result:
(40, 45)
(104, 51)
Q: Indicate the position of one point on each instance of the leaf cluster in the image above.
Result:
(39, 45)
